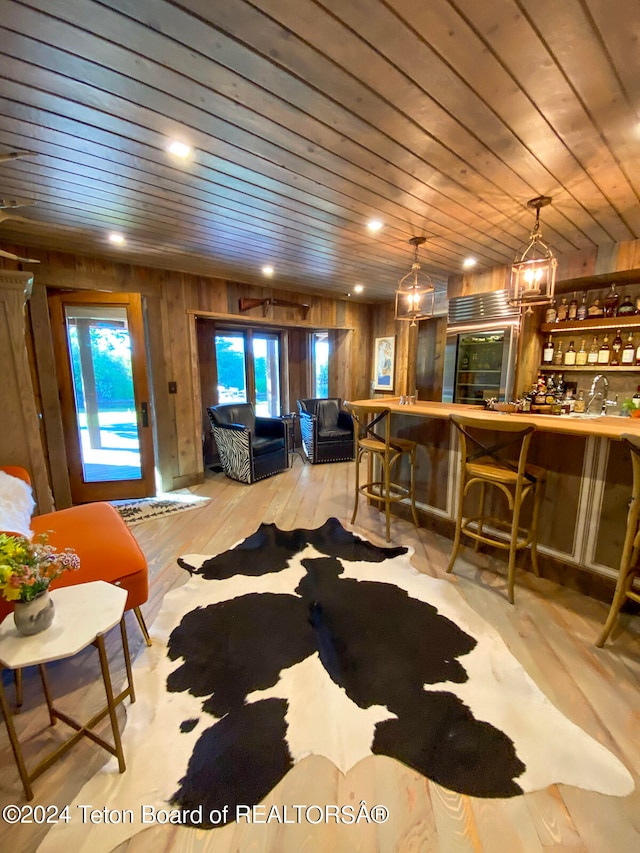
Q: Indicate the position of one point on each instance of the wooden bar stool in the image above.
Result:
(495, 454)
(629, 569)
(387, 450)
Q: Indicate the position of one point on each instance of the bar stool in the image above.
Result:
(629, 569)
(387, 450)
(498, 460)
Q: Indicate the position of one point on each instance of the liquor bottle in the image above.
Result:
(572, 313)
(636, 398)
(550, 394)
(558, 357)
(579, 404)
(626, 307)
(581, 356)
(563, 310)
(583, 310)
(616, 350)
(547, 352)
(595, 309)
(604, 353)
(551, 314)
(570, 355)
(560, 387)
(638, 355)
(629, 351)
(611, 301)
(592, 357)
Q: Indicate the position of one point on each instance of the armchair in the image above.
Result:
(250, 447)
(326, 429)
(107, 549)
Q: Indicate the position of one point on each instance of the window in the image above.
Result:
(320, 364)
(248, 365)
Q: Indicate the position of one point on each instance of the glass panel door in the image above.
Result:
(479, 367)
(266, 365)
(320, 364)
(232, 369)
(101, 371)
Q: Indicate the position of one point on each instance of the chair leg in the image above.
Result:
(412, 462)
(143, 626)
(357, 501)
(387, 495)
(456, 539)
(537, 499)
(625, 579)
(19, 687)
(476, 544)
(513, 546)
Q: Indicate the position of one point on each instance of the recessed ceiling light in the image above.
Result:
(374, 225)
(469, 262)
(358, 288)
(118, 239)
(268, 271)
(179, 149)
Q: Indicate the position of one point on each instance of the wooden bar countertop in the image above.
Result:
(600, 426)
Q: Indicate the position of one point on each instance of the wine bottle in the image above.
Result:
(581, 356)
(604, 353)
(629, 351)
(626, 307)
(616, 350)
(582, 308)
(611, 301)
(570, 355)
(572, 312)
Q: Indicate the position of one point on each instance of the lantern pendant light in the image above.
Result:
(533, 273)
(415, 294)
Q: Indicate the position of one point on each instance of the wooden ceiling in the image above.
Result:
(307, 119)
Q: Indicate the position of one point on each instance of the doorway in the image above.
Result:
(101, 366)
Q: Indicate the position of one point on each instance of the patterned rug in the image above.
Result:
(316, 642)
(144, 509)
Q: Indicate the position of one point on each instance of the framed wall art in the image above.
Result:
(384, 363)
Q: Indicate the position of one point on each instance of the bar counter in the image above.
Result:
(584, 510)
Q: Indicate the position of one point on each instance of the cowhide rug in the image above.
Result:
(317, 642)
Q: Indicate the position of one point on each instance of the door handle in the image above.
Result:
(144, 414)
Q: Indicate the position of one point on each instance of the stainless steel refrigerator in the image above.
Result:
(480, 353)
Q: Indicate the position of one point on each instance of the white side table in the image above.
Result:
(84, 613)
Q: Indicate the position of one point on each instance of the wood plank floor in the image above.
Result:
(550, 630)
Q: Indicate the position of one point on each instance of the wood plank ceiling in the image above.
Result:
(309, 118)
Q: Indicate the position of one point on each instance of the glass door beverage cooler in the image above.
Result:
(480, 352)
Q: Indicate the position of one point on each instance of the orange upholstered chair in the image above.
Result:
(107, 549)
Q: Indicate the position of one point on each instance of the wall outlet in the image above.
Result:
(173, 387)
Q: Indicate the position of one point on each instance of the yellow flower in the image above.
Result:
(11, 593)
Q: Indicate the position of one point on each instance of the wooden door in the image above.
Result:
(102, 375)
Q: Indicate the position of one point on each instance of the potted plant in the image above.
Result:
(27, 568)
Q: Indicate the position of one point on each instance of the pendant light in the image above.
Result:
(415, 293)
(533, 273)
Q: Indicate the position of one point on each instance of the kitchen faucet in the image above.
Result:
(594, 393)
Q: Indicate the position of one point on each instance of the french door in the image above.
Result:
(249, 368)
(101, 365)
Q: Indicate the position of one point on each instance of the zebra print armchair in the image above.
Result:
(326, 429)
(250, 447)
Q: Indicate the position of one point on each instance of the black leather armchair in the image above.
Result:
(250, 447)
(326, 430)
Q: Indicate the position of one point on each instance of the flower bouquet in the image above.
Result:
(27, 568)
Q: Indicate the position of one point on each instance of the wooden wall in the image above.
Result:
(173, 301)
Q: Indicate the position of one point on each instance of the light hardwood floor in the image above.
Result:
(551, 630)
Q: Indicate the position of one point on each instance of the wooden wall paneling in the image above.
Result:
(162, 403)
(177, 348)
(50, 399)
(430, 347)
(628, 257)
(205, 343)
(577, 264)
(529, 354)
(486, 281)
(20, 439)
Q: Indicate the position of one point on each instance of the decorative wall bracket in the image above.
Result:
(248, 304)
